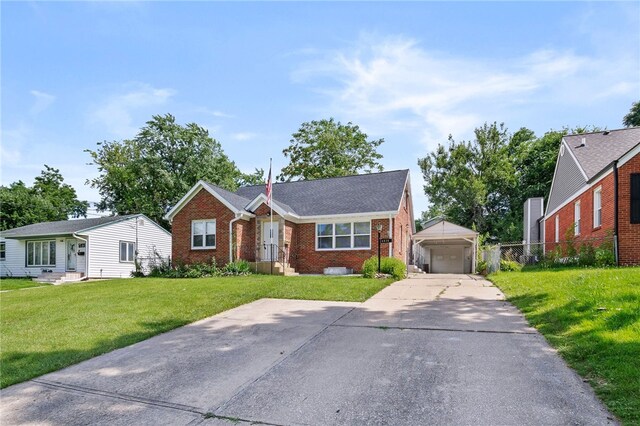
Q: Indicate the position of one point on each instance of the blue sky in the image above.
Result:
(76, 73)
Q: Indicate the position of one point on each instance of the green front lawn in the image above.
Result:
(50, 328)
(18, 283)
(592, 316)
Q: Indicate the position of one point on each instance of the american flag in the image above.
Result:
(269, 185)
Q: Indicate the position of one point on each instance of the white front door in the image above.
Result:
(266, 241)
(72, 255)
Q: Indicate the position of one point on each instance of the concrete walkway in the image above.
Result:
(432, 349)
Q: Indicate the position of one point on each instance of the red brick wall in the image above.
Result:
(587, 231)
(202, 206)
(629, 234)
(245, 239)
(301, 238)
(312, 261)
(290, 241)
(402, 230)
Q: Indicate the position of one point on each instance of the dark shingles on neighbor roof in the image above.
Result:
(61, 227)
(602, 148)
(366, 193)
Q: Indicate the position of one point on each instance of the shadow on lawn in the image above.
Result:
(594, 340)
(20, 366)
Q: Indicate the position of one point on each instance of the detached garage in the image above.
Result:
(445, 248)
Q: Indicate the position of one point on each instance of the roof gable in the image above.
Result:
(366, 193)
(601, 148)
(440, 228)
(568, 178)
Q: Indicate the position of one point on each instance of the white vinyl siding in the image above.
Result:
(127, 251)
(557, 228)
(576, 218)
(203, 234)
(15, 264)
(103, 249)
(597, 207)
(343, 236)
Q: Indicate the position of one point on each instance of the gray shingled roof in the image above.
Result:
(602, 149)
(367, 193)
(235, 200)
(61, 227)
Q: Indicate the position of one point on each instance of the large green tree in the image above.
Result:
(49, 199)
(633, 117)
(151, 172)
(326, 148)
(483, 183)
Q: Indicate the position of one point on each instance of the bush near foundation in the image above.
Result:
(388, 265)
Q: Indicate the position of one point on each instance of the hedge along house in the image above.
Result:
(317, 224)
(72, 250)
(595, 195)
(444, 247)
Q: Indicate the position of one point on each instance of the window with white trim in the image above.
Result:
(597, 207)
(41, 253)
(343, 235)
(576, 218)
(127, 251)
(203, 234)
(557, 228)
(3, 251)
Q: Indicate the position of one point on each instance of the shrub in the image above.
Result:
(239, 267)
(481, 267)
(604, 256)
(510, 265)
(388, 265)
(586, 255)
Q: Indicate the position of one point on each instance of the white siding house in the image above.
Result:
(104, 247)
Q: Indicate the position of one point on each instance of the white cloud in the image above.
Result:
(243, 136)
(117, 112)
(42, 101)
(214, 112)
(381, 82)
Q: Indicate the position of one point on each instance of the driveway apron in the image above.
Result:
(432, 349)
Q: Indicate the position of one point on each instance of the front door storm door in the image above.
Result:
(72, 255)
(266, 248)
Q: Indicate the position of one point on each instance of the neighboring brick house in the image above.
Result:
(317, 224)
(595, 193)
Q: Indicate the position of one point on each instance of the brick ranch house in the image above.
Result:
(317, 224)
(595, 194)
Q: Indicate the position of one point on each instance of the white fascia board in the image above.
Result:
(555, 172)
(136, 217)
(629, 155)
(192, 192)
(184, 200)
(578, 193)
(262, 198)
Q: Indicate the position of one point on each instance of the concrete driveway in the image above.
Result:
(435, 349)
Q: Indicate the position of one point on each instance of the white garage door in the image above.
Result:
(447, 260)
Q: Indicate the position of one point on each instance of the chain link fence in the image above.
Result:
(577, 251)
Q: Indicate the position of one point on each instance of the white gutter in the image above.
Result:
(238, 216)
(86, 254)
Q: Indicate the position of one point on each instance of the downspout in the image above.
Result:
(238, 216)
(615, 212)
(86, 254)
